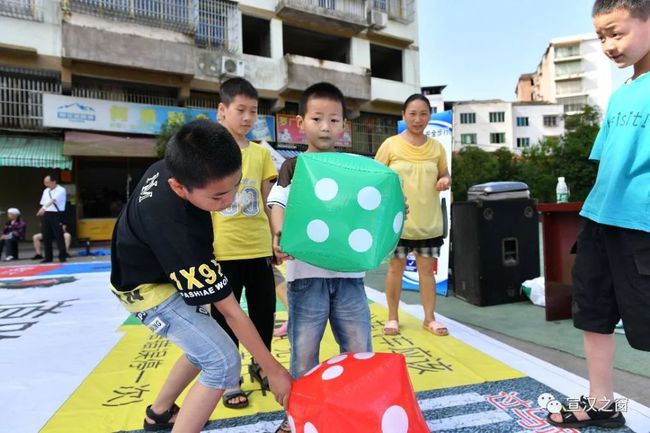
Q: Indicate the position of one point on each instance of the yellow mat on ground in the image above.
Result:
(114, 396)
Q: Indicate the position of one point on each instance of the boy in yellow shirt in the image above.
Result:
(242, 241)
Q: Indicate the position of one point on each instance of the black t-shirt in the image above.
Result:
(162, 238)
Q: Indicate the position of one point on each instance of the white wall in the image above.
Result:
(483, 128)
(536, 130)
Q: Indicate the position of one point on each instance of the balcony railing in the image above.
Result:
(212, 23)
(354, 10)
(398, 10)
(123, 92)
(21, 96)
(23, 9)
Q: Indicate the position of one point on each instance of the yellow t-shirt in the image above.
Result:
(419, 168)
(242, 230)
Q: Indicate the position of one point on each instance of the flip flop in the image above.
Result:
(436, 328)
(391, 327)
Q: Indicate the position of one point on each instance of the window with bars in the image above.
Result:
(97, 88)
(370, 130)
(21, 96)
(550, 120)
(568, 68)
(567, 51)
(467, 117)
(523, 142)
(497, 117)
(22, 9)
(497, 137)
(467, 138)
(522, 121)
(214, 24)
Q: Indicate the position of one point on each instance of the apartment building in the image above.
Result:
(65, 63)
(573, 72)
(494, 124)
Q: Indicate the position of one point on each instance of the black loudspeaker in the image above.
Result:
(495, 248)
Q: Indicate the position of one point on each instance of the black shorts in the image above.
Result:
(611, 279)
(421, 247)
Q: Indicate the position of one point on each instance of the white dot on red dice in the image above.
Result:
(292, 424)
(318, 231)
(395, 420)
(332, 372)
(363, 355)
(326, 189)
(312, 370)
(337, 359)
(310, 428)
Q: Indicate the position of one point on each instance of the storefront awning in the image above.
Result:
(89, 144)
(38, 152)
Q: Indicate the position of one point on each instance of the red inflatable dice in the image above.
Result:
(356, 393)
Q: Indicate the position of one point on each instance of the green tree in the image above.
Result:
(472, 166)
(173, 123)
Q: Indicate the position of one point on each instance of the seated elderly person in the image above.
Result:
(13, 232)
(37, 240)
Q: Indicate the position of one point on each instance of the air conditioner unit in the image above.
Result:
(377, 19)
(232, 67)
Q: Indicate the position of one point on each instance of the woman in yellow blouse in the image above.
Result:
(421, 163)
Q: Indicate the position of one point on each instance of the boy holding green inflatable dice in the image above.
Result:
(317, 295)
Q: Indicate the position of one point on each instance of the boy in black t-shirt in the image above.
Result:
(164, 271)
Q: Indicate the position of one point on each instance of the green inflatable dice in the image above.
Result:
(345, 212)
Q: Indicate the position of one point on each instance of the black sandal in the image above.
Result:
(231, 395)
(606, 417)
(255, 370)
(284, 427)
(161, 420)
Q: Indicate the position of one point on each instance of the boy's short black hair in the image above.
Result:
(236, 87)
(416, 97)
(322, 90)
(53, 177)
(202, 151)
(637, 8)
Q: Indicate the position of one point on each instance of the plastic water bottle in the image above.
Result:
(561, 191)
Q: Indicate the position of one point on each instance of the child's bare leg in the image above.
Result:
(197, 408)
(180, 376)
(599, 350)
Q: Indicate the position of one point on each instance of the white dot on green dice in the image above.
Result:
(369, 198)
(318, 231)
(397, 222)
(360, 240)
(326, 189)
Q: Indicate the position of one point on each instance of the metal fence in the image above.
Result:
(370, 131)
(23, 9)
(21, 96)
(124, 92)
(399, 10)
(213, 23)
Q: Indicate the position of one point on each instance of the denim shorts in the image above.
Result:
(206, 346)
(314, 301)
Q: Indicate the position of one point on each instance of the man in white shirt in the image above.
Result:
(52, 210)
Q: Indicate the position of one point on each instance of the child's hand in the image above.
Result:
(280, 384)
(278, 255)
(443, 183)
